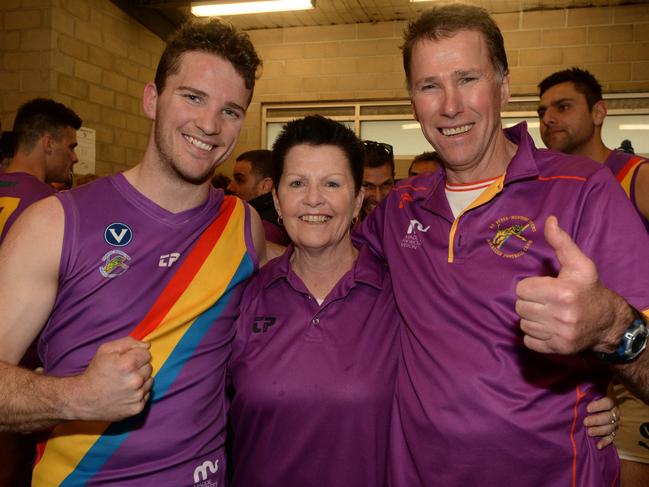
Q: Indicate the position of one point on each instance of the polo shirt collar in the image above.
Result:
(368, 269)
(523, 164)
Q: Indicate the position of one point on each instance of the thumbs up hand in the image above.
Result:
(572, 311)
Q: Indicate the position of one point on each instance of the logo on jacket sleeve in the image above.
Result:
(118, 234)
(511, 237)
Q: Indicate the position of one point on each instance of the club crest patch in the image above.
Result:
(512, 236)
(115, 263)
(118, 234)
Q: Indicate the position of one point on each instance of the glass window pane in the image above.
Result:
(635, 128)
(274, 128)
(532, 127)
(403, 135)
(616, 128)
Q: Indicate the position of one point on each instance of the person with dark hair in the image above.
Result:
(378, 174)
(571, 114)
(626, 146)
(252, 174)
(138, 283)
(425, 162)
(315, 354)
(221, 181)
(44, 140)
(6, 149)
(510, 329)
(252, 181)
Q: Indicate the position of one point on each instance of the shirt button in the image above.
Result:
(315, 321)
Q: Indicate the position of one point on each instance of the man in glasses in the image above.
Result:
(378, 174)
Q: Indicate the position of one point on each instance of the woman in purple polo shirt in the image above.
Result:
(314, 360)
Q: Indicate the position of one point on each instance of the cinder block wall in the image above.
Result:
(87, 54)
(90, 55)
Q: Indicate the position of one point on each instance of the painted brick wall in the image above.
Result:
(91, 56)
(363, 61)
(86, 54)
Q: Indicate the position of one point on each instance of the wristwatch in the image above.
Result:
(632, 343)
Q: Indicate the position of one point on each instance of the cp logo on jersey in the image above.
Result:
(118, 234)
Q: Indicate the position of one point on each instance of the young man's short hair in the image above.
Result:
(261, 162)
(38, 117)
(584, 82)
(446, 21)
(213, 37)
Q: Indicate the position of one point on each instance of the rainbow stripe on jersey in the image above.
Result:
(175, 325)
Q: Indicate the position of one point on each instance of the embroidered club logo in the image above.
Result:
(115, 263)
(411, 240)
(511, 238)
(118, 234)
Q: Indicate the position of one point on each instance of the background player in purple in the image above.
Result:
(117, 307)
(482, 292)
(44, 139)
(253, 182)
(315, 355)
(572, 112)
(571, 115)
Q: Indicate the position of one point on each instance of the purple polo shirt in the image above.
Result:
(474, 405)
(314, 383)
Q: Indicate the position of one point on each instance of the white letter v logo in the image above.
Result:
(119, 237)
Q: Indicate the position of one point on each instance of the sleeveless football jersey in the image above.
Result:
(129, 267)
(18, 190)
(625, 167)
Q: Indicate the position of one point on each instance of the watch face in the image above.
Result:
(636, 337)
(639, 339)
(637, 344)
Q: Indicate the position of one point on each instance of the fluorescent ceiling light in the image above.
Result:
(634, 126)
(217, 9)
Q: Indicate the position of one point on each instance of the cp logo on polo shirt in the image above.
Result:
(262, 323)
(118, 234)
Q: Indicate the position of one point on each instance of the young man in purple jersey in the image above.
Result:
(511, 322)
(571, 115)
(117, 277)
(44, 139)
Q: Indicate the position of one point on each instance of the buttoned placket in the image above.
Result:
(314, 330)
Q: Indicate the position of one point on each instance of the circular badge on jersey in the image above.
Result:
(118, 234)
(115, 263)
